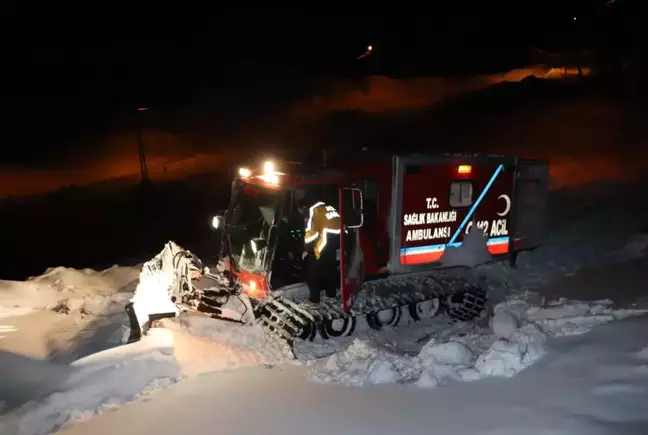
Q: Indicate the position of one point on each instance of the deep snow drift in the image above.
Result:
(96, 383)
(66, 314)
(594, 383)
(516, 338)
(69, 291)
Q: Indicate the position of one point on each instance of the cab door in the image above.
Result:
(351, 256)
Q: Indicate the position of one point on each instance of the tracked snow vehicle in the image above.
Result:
(402, 214)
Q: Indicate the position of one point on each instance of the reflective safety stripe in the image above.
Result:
(317, 227)
(310, 217)
(309, 225)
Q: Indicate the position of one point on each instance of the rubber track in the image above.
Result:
(284, 319)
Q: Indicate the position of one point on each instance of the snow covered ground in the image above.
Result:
(68, 290)
(516, 338)
(593, 383)
(66, 314)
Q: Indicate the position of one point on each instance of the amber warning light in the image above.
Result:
(464, 169)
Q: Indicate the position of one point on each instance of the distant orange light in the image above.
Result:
(464, 169)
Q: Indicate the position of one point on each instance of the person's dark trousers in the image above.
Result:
(313, 279)
(323, 273)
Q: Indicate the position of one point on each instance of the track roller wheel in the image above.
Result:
(340, 327)
(321, 329)
(424, 309)
(466, 306)
(308, 333)
(388, 317)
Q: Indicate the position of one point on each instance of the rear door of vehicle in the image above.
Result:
(530, 202)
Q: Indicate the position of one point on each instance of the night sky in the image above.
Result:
(69, 74)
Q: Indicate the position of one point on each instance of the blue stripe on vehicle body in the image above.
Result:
(499, 169)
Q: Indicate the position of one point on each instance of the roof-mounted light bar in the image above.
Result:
(269, 175)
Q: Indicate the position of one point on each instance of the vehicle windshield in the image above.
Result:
(254, 204)
(253, 213)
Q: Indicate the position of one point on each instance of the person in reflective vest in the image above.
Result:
(321, 242)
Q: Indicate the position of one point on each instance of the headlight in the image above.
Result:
(244, 172)
(217, 222)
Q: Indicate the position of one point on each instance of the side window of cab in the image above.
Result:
(370, 198)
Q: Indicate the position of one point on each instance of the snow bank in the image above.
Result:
(204, 345)
(593, 384)
(183, 347)
(6, 329)
(563, 255)
(66, 314)
(643, 353)
(14, 311)
(635, 247)
(516, 338)
(363, 364)
(69, 291)
(101, 382)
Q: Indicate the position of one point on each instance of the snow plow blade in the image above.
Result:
(162, 281)
(137, 330)
(175, 281)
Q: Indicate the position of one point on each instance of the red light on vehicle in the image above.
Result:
(252, 289)
(464, 169)
(253, 285)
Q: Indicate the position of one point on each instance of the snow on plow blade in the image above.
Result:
(155, 293)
